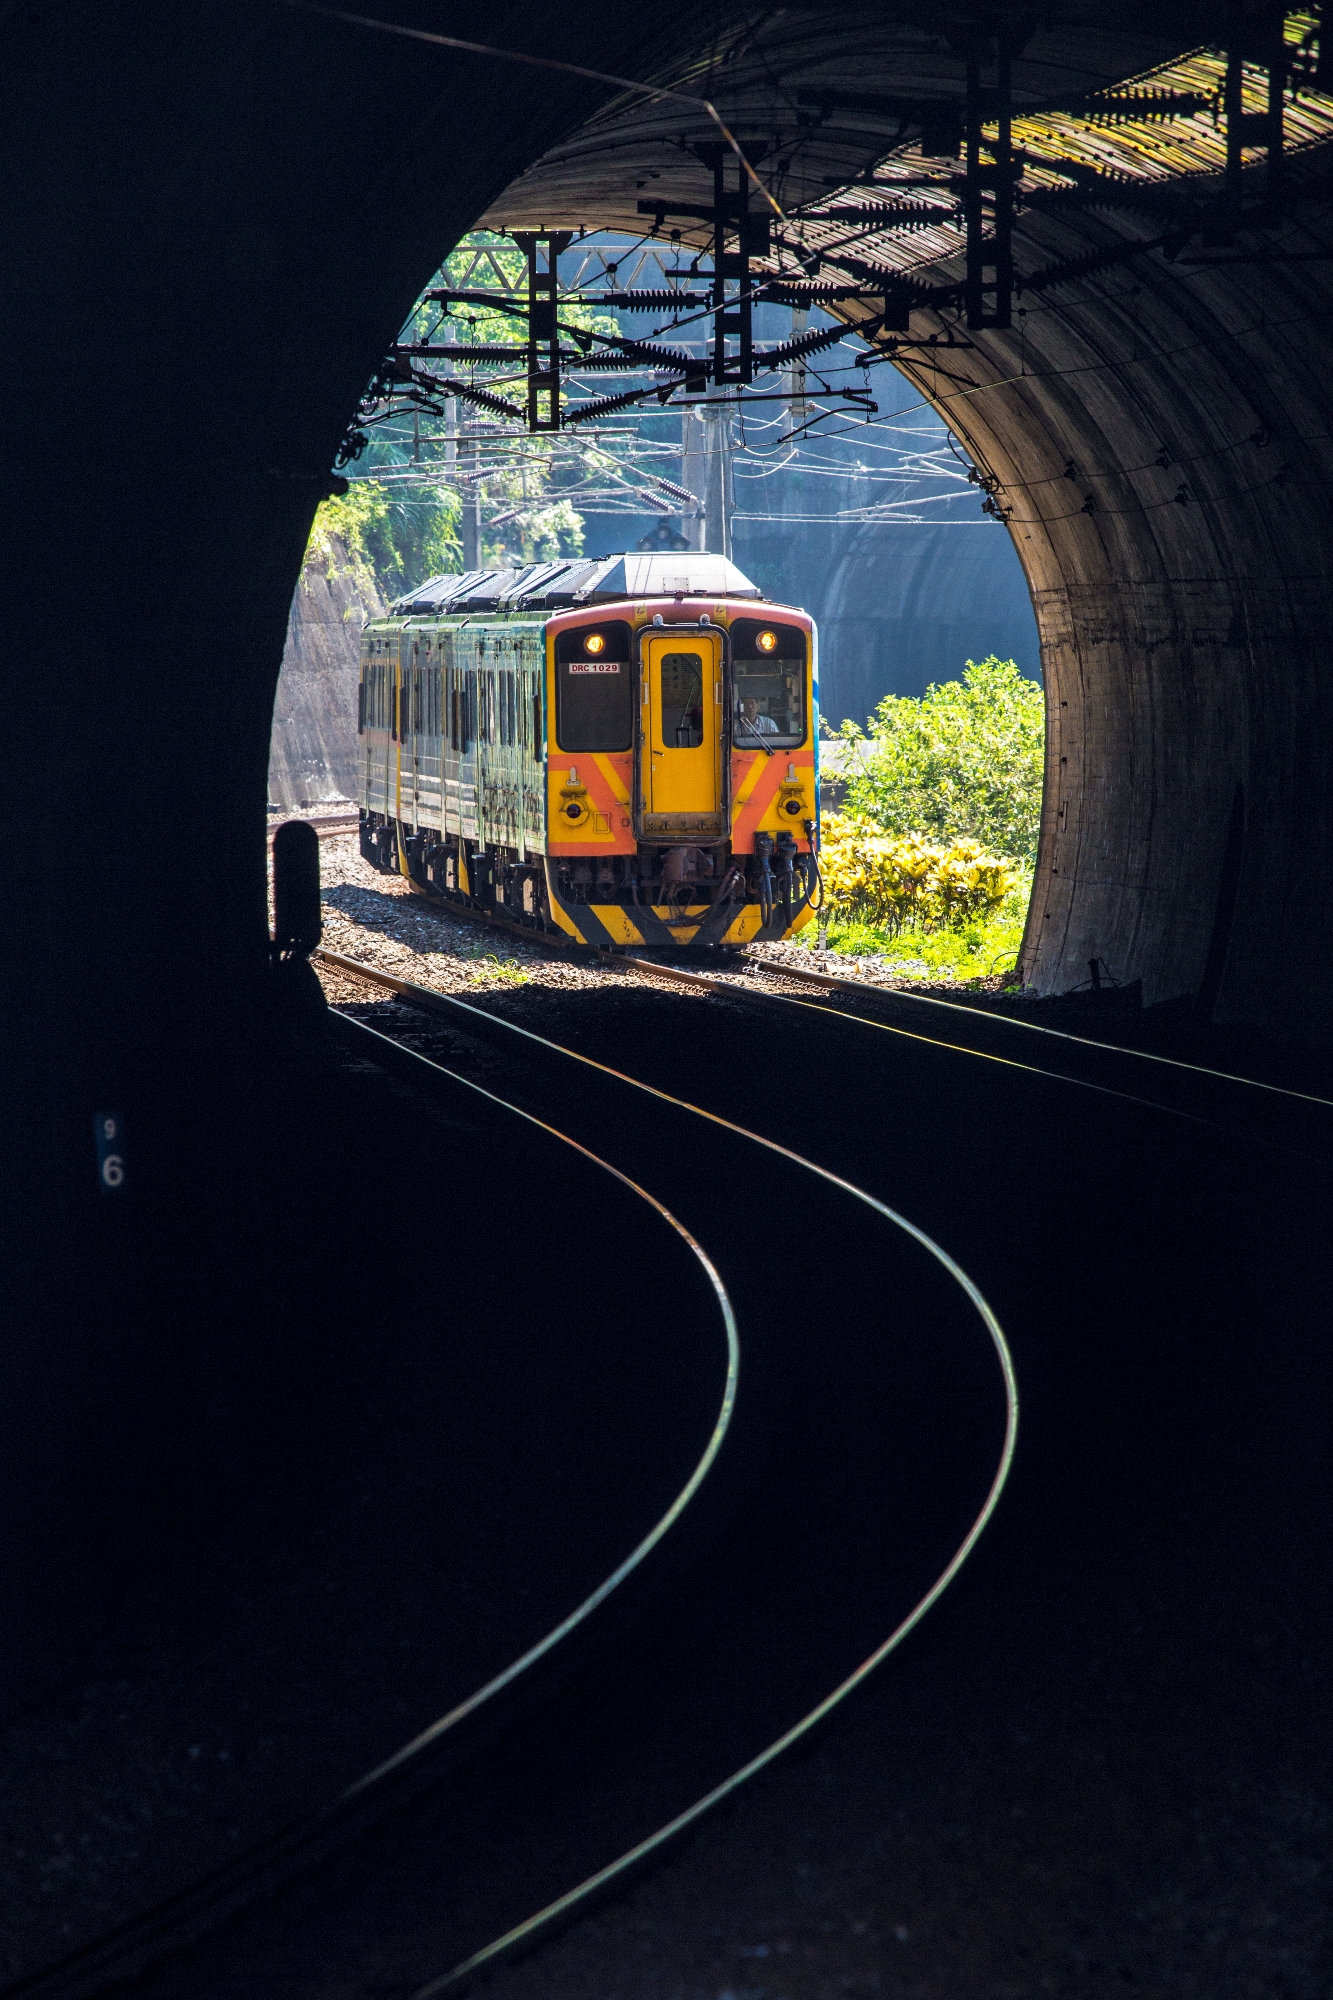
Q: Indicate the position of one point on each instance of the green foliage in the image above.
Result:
(904, 881)
(491, 967)
(350, 520)
(963, 761)
(393, 540)
(978, 949)
(534, 534)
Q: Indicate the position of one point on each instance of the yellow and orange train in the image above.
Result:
(622, 750)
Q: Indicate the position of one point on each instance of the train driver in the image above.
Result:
(752, 722)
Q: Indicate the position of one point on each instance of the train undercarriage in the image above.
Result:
(668, 897)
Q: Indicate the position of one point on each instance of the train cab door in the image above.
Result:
(681, 715)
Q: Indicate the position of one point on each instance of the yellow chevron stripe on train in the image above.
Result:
(622, 750)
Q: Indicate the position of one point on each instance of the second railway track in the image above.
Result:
(1297, 1121)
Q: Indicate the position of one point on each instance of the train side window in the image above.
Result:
(536, 720)
(361, 704)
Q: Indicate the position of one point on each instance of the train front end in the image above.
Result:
(682, 778)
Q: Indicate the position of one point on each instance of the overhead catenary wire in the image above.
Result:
(649, 90)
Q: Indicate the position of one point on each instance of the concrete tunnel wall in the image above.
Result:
(215, 220)
(1159, 436)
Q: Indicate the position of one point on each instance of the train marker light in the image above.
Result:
(766, 641)
(594, 643)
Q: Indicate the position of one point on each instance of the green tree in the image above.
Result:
(397, 535)
(963, 760)
(525, 515)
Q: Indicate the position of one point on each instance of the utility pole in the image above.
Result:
(694, 474)
(472, 513)
(718, 504)
(796, 374)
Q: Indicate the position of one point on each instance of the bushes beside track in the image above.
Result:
(930, 862)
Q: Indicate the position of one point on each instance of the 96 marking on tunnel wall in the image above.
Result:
(109, 1137)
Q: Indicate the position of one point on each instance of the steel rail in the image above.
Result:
(553, 1913)
(655, 969)
(184, 1918)
(734, 987)
(859, 986)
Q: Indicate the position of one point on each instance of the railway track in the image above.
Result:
(173, 1926)
(949, 1310)
(1296, 1121)
(329, 826)
(1299, 1120)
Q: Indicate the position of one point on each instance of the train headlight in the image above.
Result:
(595, 643)
(767, 642)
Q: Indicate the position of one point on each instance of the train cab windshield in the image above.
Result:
(594, 688)
(768, 685)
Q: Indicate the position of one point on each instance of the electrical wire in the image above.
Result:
(655, 92)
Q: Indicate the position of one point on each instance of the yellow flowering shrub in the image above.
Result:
(905, 881)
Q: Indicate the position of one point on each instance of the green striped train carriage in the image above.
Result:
(622, 750)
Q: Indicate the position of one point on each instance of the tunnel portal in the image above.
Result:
(216, 221)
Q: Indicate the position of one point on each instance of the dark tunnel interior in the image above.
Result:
(216, 220)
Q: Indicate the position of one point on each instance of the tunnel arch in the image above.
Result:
(216, 221)
(1162, 467)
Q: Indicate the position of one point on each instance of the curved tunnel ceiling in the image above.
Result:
(1152, 427)
(825, 95)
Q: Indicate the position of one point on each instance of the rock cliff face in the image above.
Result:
(312, 753)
